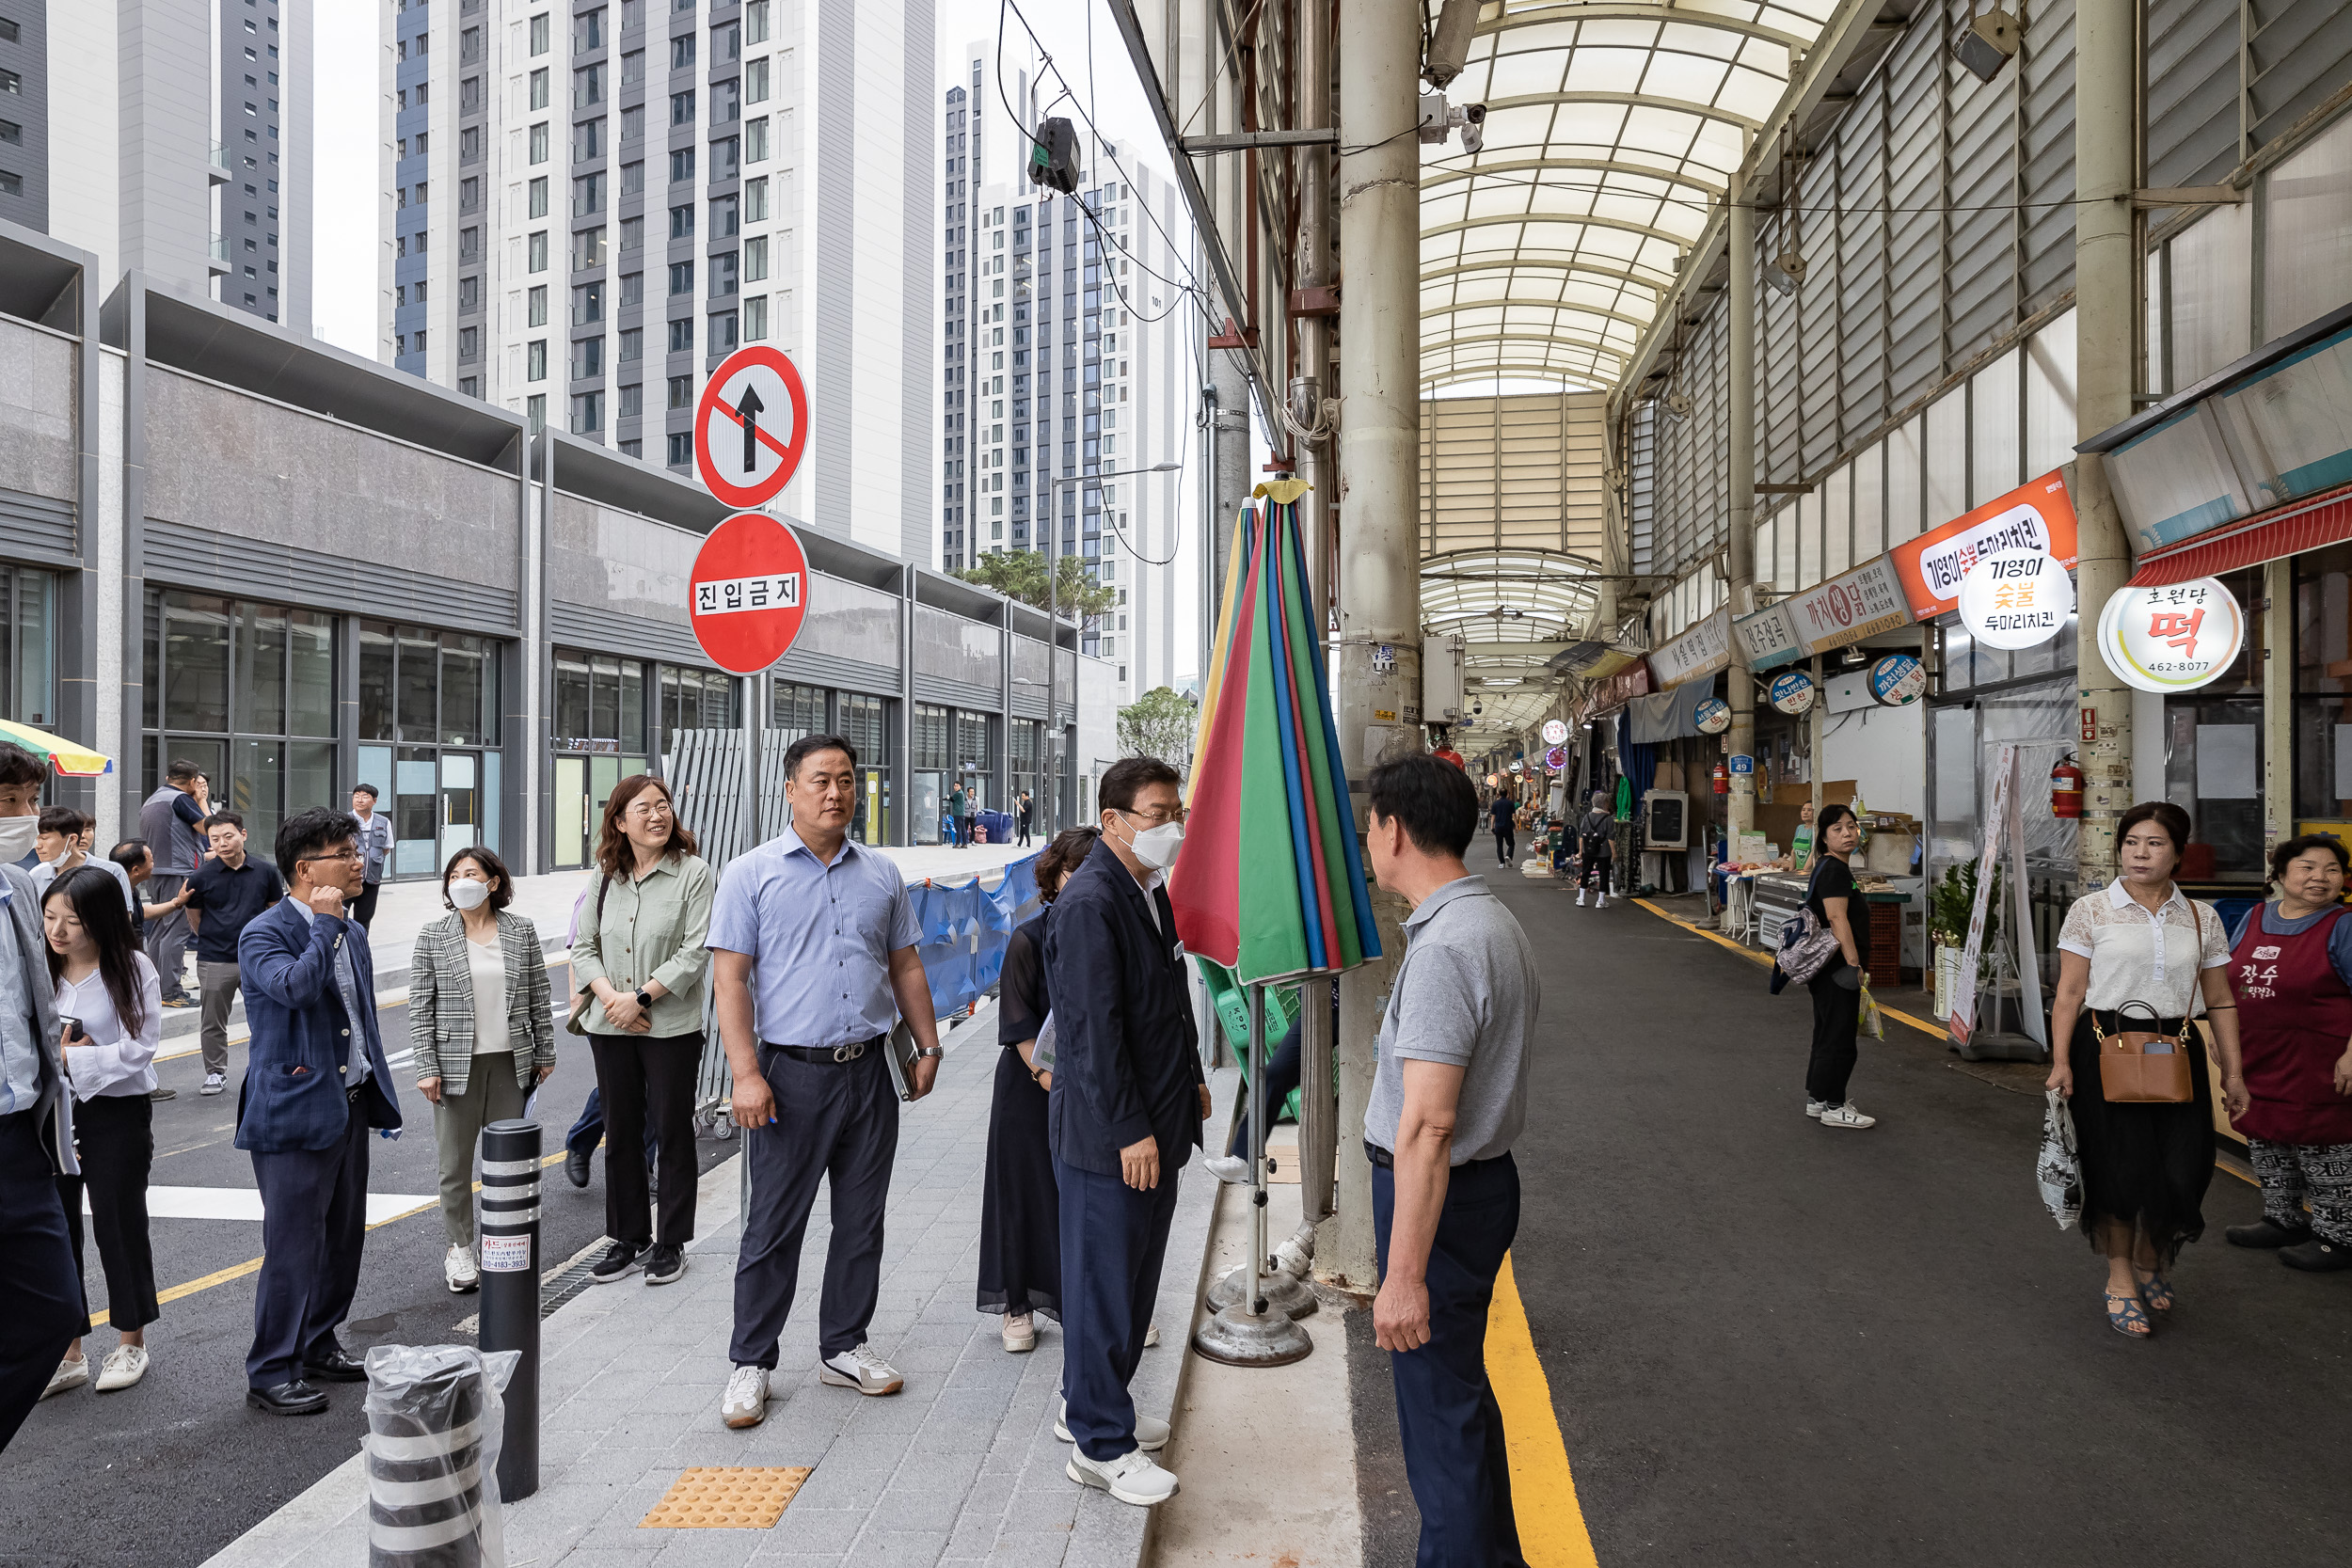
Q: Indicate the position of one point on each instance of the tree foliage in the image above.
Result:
(1158, 724)
(1021, 575)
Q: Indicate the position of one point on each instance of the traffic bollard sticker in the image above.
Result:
(505, 1254)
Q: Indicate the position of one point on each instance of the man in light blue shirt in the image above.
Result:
(812, 949)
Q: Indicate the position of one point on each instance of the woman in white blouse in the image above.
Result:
(107, 985)
(2145, 1166)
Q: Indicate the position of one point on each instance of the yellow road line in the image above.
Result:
(1766, 959)
(1543, 1492)
(253, 1265)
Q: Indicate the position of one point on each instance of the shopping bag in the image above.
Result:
(1873, 1023)
(2059, 1170)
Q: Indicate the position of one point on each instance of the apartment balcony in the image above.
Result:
(219, 255)
(218, 168)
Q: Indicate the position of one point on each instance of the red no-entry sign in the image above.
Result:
(749, 593)
(750, 427)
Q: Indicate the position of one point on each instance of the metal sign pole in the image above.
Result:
(510, 1290)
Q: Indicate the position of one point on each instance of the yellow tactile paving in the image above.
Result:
(728, 1497)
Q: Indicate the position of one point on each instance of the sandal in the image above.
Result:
(2127, 1316)
(2157, 1291)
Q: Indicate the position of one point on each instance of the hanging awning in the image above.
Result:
(2310, 525)
(78, 762)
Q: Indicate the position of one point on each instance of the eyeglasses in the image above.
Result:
(338, 855)
(1160, 817)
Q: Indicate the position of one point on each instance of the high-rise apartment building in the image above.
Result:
(168, 135)
(1068, 367)
(591, 204)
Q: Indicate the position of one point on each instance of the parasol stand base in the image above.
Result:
(1239, 1338)
(1285, 1293)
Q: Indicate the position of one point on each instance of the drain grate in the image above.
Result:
(568, 1281)
(732, 1497)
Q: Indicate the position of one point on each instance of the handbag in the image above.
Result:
(576, 1021)
(2132, 1074)
(2059, 1170)
(1807, 945)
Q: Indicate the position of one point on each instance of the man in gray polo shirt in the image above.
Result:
(1448, 1097)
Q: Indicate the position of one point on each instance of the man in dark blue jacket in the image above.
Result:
(315, 1082)
(1123, 1117)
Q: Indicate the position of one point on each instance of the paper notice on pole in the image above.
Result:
(2004, 830)
(505, 1254)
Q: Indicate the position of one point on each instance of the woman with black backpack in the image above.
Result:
(1838, 987)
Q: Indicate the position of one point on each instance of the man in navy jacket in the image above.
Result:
(1124, 1116)
(316, 1084)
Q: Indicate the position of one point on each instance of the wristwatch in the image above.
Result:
(644, 999)
(923, 1052)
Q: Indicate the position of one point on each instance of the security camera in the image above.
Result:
(1471, 118)
(1986, 44)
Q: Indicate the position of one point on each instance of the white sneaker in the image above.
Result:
(70, 1373)
(746, 1401)
(124, 1366)
(457, 1267)
(1131, 1478)
(860, 1370)
(1815, 1107)
(213, 1082)
(1020, 1332)
(1151, 1433)
(1231, 1170)
(1845, 1115)
(1579, 899)
(1602, 902)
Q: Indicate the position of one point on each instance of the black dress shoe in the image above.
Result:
(287, 1398)
(576, 1166)
(2264, 1233)
(337, 1368)
(2316, 1257)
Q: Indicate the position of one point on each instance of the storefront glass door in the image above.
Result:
(461, 802)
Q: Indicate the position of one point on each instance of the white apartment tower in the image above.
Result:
(1068, 363)
(592, 202)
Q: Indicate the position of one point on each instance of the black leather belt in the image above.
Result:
(827, 1053)
(1386, 1161)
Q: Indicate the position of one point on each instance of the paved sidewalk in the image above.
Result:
(959, 1471)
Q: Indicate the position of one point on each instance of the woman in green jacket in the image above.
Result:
(641, 961)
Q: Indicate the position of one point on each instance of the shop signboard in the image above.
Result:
(1769, 639)
(1793, 692)
(750, 427)
(2015, 598)
(2034, 517)
(1557, 758)
(1555, 732)
(1845, 609)
(1711, 717)
(2175, 637)
(748, 593)
(1698, 653)
(1899, 680)
(1743, 763)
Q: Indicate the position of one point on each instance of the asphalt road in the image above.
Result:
(169, 1472)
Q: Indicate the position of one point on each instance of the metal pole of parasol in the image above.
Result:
(1256, 1150)
(1257, 1328)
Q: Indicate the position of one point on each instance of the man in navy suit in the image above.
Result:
(316, 1084)
(1123, 1117)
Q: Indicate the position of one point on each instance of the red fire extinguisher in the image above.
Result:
(1722, 776)
(2066, 789)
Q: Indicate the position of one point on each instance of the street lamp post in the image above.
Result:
(1052, 615)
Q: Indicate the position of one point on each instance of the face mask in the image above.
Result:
(468, 894)
(18, 835)
(1158, 846)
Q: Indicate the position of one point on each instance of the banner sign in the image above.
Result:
(1845, 609)
(2035, 516)
(1701, 651)
(2004, 832)
(2015, 599)
(1769, 639)
(2173, 638)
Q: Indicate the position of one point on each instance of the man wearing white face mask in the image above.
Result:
(1123, 1116)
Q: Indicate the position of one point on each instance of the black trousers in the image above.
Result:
(1456, 1458)
(41, 1294)
(1506, 845)
(364, 911)
(1113, 1240)
(314, 1222)
(647, 1082)
(837, 1121)
(114, 1137)
(1281, 1076)
(1837, 1021)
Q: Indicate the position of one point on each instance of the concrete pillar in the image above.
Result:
(1379, 492)
(1740, 459)
(2278, 641)
(1230, 477)
(2107, 332)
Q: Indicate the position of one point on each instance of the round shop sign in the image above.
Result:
(1793, 693)
(1712, 715)
(1555, 732)
(2016, 598)
(1557, 758)
(749, 593)
(2175, 637)
(1899, 680)
(1517, 766)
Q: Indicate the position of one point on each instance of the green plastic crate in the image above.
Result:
(1232, 1000)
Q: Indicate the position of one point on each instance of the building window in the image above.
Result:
(756, 200)
(682, 391)
(538, 245)
(756, 22)
(536, 410)
(539, 89)
(682, 107)
(587, 359)
(587, 303)
(632, 345)
(470, 342)
(682, 223)
(724, 225)
(588, 249)
(535, 302)
(588, 414)
(681, 450)
(632, 178)
(632, 287)
(587, 86)
(246, 692)
(755, 319)
(725, 154)
(755, 259)
(697, 699)
(535, 360)
(539, 196)
(682, 335)
(588, 140)
(682, 278)
(632, 401)
(682, 166)
(588, 30)
(725, 102)
(539, 143)
(723, 275)
(755, 82)
(428, 726)
(756, 140)
(682, 51)
(727, 43)
(632, 233)
(722, 338)
(632, 68)
(539, 35)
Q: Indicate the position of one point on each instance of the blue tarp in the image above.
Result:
(964, 930)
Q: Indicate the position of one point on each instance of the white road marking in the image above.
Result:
(245, 1203)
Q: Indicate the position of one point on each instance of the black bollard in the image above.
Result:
(509, 1235)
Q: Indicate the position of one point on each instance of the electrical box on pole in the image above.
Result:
(1441, 659)
(1054, 157)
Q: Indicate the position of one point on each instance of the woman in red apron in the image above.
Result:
(2291, 965)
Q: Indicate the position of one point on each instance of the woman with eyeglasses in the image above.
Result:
(110, 1002)
(481, 1026)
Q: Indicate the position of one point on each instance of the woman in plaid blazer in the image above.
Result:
(482, 1026)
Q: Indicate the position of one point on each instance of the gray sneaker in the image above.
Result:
(1132, 1478)
(860, 1370)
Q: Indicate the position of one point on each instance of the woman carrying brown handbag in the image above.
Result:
(2133, 958)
